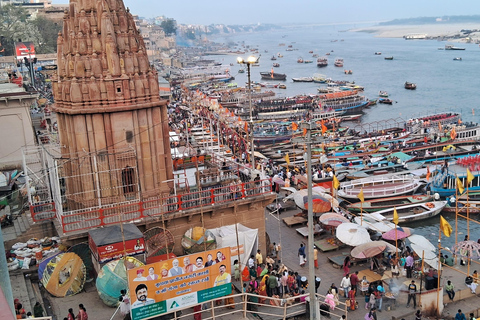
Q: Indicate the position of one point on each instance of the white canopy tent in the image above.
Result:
(247, 241)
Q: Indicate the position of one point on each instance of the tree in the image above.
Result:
(14, 26)
(190, 34)
(48, 30)
(169, 26)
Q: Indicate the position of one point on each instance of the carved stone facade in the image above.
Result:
(107, 101)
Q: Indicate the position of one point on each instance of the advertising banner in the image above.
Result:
(115, 250)
(166, 286)
(25, 49)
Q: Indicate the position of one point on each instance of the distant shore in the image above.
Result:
(431, 30)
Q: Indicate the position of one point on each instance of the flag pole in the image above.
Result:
(421, 279)
(396, 242)
(361, 213)
(439, 265)
(456, 215)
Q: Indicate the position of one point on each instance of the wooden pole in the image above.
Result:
(439, 266)
(456, 216)
(421, 279)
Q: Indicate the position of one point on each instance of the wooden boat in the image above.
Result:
(386, 203)
(410, 85)
(349, 102)
(338, 62)
(322, 62)
(319, 78)
(388, 58)
(273, 76)
(382, 186)
(472, 206)
(308, 61)
(273, 58)
(444, 179)
(385, 101)
(457, 59)
(383, 94)
(276, 65)
(409, 213)
(452, 47)
(378, 53)
(303, 79)
(300, 60)
(433, 120)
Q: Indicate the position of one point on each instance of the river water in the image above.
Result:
(442, 83)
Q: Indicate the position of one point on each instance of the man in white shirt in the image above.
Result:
(346, 285)
(251, 261)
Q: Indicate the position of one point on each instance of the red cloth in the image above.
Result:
(197, 316)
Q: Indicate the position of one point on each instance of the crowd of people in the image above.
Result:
(21, 313)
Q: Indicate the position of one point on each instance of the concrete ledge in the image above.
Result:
(459, 295)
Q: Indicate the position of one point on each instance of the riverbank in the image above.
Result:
(451, 31)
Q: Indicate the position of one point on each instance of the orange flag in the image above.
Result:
(324, 128)
(294, 126)
(428, 173)
(246, 126)
(304, 132)
(453, 134)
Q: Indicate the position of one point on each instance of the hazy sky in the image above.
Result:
(296, 11)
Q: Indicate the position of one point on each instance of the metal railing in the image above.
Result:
(136, 210)
(269, 308)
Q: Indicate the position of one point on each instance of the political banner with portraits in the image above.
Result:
(166, 286)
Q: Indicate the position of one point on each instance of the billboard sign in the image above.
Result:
(25, 49)
(166, 286)
(116, 250)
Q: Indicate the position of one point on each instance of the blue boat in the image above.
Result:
(444, 180)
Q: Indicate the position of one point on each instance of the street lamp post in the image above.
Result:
(308, 140)
(250, 60)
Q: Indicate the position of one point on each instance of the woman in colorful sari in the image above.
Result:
(262, 291)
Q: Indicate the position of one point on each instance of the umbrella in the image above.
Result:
(379, 226)
(352, 234)
(327, 196)
(289, 189)
(319, 189)
(399, 233)
(278, 180)
(370, 249)
(332, 219)
(298, 197)
(422, 252)
(319, 204)
(469, 249)
(433, 263)
(421, 240)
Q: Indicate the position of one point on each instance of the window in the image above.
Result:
(129, 136)
(128, 180)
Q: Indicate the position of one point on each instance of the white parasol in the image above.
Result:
(423, 252)
(379, 226)
(352, 234)
(421, 240)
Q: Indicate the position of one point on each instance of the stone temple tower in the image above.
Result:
(113, 126)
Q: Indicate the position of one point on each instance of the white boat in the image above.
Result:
(303, 79)
(382, 186)
(409, 213)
